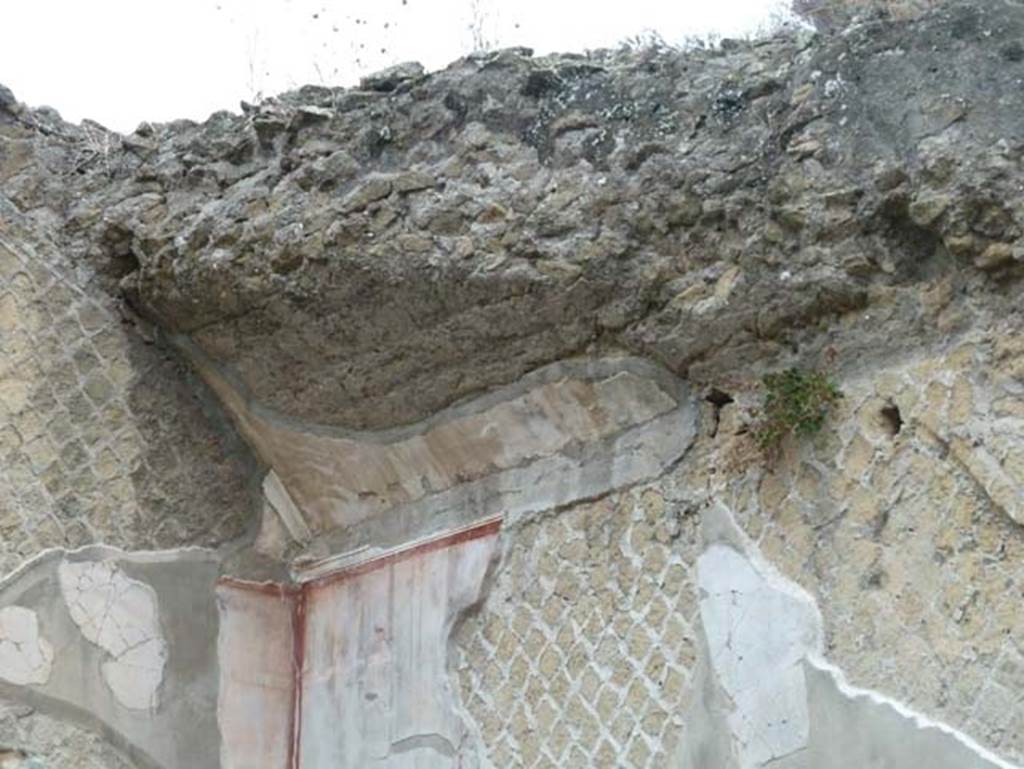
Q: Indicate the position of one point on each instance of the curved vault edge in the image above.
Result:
(568, 431)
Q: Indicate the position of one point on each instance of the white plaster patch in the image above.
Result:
(765, 651)
(25, 656)
(119, 615)
(281, 502)
(272, 539)
(758, 633)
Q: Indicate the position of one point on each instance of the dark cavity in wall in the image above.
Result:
(718, 399)
(891, 419)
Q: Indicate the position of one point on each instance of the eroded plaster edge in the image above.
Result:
(101, 551)
(365, 557)
(719, 528)
(920, 720)
(637, 454)
(470, 750)
(355, 564)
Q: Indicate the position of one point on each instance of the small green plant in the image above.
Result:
(797, 402)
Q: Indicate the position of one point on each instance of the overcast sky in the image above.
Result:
(124, 61)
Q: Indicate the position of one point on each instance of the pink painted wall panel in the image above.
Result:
(349, 672)
(256, 700)
(386, 700)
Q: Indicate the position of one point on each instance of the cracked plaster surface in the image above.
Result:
(25, 656)
(115, 658)
(119, 615)
(758, 633)
(768, 687)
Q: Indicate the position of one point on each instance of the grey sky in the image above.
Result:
(124, 61)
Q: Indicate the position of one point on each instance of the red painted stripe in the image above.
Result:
(298, 662)
(389, 559)
(275, 589)
(299, 595)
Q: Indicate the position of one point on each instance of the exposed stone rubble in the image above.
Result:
(417, 417)
(54, 742)
(712, 210)
(836, 15)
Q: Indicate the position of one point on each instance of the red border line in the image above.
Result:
(389, 559)
(276, 589)
(298, 665)
(299, 594)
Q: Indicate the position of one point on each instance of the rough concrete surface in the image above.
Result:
(32, 739)
(415, 425)
(713, 210)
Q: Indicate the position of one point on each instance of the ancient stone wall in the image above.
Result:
(106, 441)
(899, 520)
(908, 534)
(33, 739)
(104, 438)
(432, 405)
(583, 650)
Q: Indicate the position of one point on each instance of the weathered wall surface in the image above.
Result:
(582, 652)
(132, 650)
(105, 442)
(911, 540)
(716, 211)
(530, 299)
(102, 439)
(566, 431)
(33, 739)
(899, 522)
